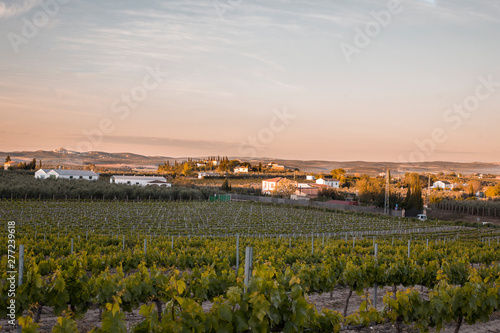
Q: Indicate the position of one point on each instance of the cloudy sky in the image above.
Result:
(302, 79)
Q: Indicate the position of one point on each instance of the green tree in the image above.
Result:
(330, 194)
(186, 169)
(418, 200)
(471, 191)
(476, 184)
(337, 173)
(31, 165)
(284, 188)
(414, 197)
(370, 190)
(225, 186)
(406, 202)
(493, 191)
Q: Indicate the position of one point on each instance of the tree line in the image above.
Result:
(23, 186)
(24, 165)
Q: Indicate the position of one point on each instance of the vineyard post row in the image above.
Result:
(237, 240)
(248, 265)
(237, 253)
(375, 286)
(20, 276)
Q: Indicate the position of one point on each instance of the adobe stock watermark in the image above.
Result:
(454, 118)
(265, 136)
(121, 108)
(372, 29)
(11, 273)
(33, 23)
(221, 7)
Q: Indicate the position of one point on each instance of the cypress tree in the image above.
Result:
(418, 200)
(471, 191)
(225, 186)
(414, 197)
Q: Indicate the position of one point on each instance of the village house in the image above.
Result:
(328, 182)
(241, 170)
(275, 166)
(443, 184)
(309, 190)
(11, 164)
(269, 185)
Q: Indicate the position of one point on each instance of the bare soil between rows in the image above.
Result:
(337, 303)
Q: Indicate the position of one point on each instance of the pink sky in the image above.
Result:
(188, 79)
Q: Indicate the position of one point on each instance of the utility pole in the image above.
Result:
(387, 191)
(428, 192)
(429, 187)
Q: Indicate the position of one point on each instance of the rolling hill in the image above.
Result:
(62, 156)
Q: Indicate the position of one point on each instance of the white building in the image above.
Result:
(299, 197)
(41, 173)
(11, 164)
(444, 185)
(72, 174)
(310, 177)
(275, 166)
(207, 174)
(241, 170)
(269, 185)
(328, 182)
(140, 180)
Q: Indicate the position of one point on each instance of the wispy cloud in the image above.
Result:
(263, 60)
(284, 85)
(15, 8)
(225, 74)
(454, 11)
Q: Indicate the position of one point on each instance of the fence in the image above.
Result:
(475, 208)
(221, 197)
(307, 203)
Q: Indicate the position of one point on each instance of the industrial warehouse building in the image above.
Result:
(140, 180)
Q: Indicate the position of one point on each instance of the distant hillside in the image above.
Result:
(374, 168)
(62, 156)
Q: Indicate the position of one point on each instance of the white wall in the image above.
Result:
(40, 174)
(267, 187)
(137, 181)
(327, 182)
(54, 174)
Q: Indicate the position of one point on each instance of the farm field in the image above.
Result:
(157, 266)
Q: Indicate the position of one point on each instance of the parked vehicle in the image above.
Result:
(422, 217)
